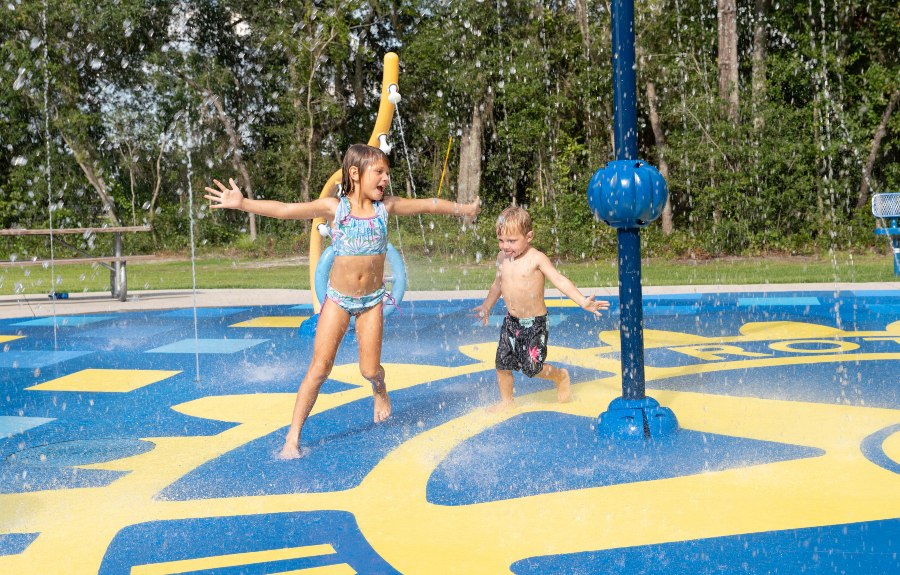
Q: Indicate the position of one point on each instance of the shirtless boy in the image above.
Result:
(521, 272)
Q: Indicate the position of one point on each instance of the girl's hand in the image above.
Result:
(471, 210)
(594, 306)
(482, 314)
(225, 197)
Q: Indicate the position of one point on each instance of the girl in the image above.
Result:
(355, 285)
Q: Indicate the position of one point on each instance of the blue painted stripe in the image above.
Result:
(208, 346)
(674, 296)
(857, 548)
(876, 293)
(206, 312)
(777, 301)
(13, 425)
(671, 310)
(124, 331)
(32, 359)
(15, 543)
(872, 448)
(65, 321)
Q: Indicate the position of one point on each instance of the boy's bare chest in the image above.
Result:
(521, 270)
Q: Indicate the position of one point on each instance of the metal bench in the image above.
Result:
(886, 207)
(116, 263)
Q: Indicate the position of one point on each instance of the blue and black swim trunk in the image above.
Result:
(523, 344)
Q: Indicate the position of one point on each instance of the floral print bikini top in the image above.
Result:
(352, 236)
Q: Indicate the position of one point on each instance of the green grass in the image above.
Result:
(450, 273)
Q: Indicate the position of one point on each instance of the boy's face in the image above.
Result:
(514, 243)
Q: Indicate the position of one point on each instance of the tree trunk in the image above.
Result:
(660, 137)
(581, 14)
(469, 181)
(237, 157)
(129, 162)
(760, 42)
(865, 184)
(86, 162)
(156, 186)
(728, 57)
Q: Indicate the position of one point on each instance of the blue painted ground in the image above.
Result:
(48, 436)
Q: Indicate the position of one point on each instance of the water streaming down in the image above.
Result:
(409, 172)
(47, 172)
(188, 145)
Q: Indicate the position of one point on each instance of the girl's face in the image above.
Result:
(514, 243)
(372, 182)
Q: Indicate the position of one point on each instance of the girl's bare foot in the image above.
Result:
(564, 387)
(290, 451)
(382, 403)
(501, 407)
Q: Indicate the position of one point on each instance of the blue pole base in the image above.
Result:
(308, 327)
(636, 419)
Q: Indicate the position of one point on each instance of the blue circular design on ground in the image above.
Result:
(872, 448)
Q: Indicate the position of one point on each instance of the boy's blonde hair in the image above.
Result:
(514, 219)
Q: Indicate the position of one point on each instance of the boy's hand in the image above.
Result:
(482, 314)
(594, 306)
(225, 197)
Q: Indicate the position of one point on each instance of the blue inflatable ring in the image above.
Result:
(397, 280)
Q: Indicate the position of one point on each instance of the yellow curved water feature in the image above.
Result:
(382, 126)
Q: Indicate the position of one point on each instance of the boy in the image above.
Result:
(521, 271)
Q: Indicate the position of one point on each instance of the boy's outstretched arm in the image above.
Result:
(565, 285)
(483, 311)
(406, 207)
(233, 198)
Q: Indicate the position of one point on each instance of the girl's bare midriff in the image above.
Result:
(357, 275)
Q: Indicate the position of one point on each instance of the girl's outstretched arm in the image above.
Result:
(232, 198)
(405, 207)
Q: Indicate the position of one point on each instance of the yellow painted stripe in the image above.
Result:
(6, 338)
(289, 321)
(342, 569)
(232, 560)
(560, 303)
(105, 380)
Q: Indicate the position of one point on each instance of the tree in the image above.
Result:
(728, 56)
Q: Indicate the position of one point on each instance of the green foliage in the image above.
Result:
(131, 86)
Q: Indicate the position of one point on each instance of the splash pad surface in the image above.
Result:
(117, 458)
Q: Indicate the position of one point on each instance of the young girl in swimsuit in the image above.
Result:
(355, 285)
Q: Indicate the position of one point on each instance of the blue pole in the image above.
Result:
(629, 248)
(628, 194)
(624, 80)
(631, 332)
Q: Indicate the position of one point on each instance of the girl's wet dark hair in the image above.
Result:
(362, 156)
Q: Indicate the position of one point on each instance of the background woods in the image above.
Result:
(774, 122)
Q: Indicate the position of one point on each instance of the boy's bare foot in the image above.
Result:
(501, 407)
(564, 387)
(290, 451)
(382, 404)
